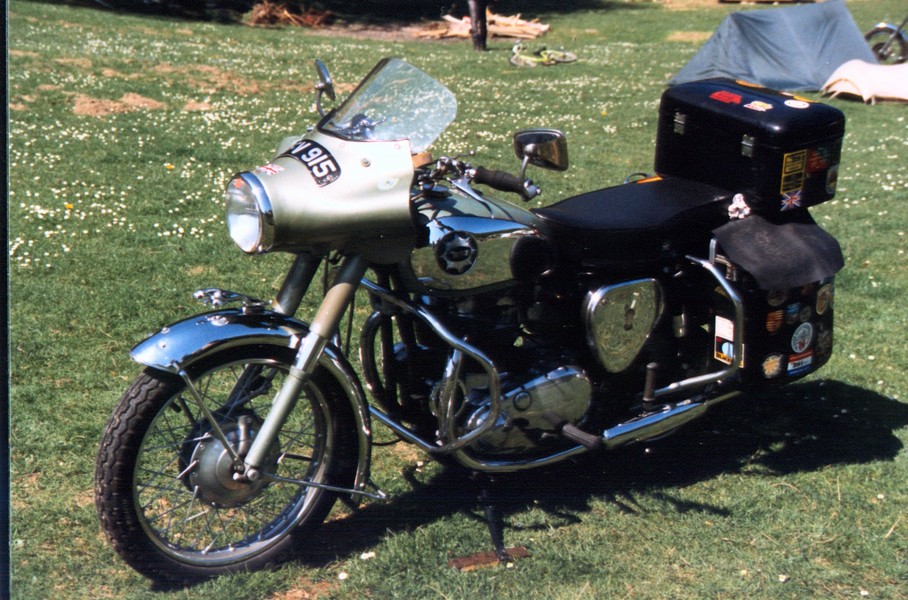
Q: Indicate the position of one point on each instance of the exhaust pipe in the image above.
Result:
(658, 424)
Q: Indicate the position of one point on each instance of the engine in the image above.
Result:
(531, 411)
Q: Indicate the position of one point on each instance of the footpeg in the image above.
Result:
(587, 440)
(574, 433)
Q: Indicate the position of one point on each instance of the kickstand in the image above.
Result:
(495, 522)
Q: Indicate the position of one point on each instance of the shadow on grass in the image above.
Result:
(371, 12)
(799, 428)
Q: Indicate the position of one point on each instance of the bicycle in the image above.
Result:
(889, 43)
(545, 57)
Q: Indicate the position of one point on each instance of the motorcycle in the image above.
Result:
(498, 338)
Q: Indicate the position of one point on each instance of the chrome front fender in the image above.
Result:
(178, 346)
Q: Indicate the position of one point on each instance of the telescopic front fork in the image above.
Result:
(321, 330)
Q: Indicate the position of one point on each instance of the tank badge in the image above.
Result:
(456, 252)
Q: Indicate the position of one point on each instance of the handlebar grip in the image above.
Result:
(500, 180)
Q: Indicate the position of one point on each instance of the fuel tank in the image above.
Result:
(472, 244)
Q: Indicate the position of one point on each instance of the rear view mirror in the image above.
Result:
(324, 86)
(546, 148)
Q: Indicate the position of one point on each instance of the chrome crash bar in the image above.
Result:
(448, 396)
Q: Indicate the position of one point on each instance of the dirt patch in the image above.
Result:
(140, 102)
(306, 590)
(100, 107)
(688, 36)
(114, 74)
(210, 79)
(82, 63)
(193, 106)
(690, 4)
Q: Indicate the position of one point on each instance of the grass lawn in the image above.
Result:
(123, 130)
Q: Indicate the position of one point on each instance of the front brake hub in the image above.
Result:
(214, 477)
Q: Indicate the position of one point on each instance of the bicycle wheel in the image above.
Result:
(887, 53)
(165, 491)
(519, 60)
(560, 56)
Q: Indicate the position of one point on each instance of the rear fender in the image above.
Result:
(178, 346)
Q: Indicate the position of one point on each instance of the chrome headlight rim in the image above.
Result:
(254, 197)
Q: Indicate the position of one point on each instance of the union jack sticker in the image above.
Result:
(270, 169)
(791, 200)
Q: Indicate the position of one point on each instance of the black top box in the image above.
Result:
(781, 151)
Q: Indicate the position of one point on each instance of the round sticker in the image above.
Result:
(802, 337)
(777, 298)
(797, 104)
(772, 365)
(805, 314)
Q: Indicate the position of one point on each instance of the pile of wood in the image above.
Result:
(277, 13)
(498, 26)
(766, 1)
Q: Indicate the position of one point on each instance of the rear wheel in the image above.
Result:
(165, 490)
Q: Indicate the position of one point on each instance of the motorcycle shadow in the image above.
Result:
(799, 428)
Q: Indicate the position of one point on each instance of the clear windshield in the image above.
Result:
(396, 101)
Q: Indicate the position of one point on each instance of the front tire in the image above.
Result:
(164, 489)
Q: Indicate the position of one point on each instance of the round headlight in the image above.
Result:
(250, 220)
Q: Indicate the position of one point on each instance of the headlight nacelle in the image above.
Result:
(296, 203)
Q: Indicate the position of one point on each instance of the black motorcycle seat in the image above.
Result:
(635, 222)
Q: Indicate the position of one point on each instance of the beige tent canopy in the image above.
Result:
(870, 81)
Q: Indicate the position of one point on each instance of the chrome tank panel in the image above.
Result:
(619, 319)
(471, 243)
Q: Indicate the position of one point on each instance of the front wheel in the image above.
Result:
(889, 47)
(164, 485)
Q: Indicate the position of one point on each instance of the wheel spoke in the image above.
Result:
(175, 482)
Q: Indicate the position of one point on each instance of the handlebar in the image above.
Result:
(500, 180)
(505, 182)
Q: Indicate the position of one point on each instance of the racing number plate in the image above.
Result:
(321, 164)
